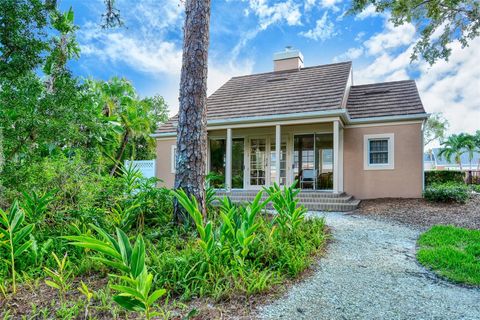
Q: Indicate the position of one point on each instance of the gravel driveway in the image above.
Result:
(370, 272)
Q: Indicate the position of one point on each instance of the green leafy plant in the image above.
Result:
(134, 292)
(88, 296)
(35, 205)
(447, 192)
(13, 236)
(61, 277)
(289, 214)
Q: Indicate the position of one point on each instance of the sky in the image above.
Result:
(244, 35)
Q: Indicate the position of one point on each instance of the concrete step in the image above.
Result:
(316, 201)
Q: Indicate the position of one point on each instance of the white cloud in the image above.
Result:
(359, 36)
(449, 87)
(350, 54)
(286, 11)
(324, 29)
(330, 4)
(368, 12)
(150, 50)
(390, 37)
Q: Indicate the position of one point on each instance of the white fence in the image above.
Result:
(146, 167)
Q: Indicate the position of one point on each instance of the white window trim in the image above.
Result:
(391, 151)
(173, 152)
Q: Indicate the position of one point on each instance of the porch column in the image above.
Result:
(336, 155)
(228, 161)
(278, 143)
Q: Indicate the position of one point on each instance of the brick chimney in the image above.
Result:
(288, 59)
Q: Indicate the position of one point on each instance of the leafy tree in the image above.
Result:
(455, 146)
(192, 117)
(435, 128)
(440, 22)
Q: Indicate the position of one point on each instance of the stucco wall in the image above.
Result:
(404, 181)
(163, 165)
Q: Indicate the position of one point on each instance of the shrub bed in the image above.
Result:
(447, 192)
(443, 176)
(451, 252)
(124, 231)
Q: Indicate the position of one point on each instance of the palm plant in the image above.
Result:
(455, 146)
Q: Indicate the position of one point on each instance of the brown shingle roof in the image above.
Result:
(384, 99)
(309, 89)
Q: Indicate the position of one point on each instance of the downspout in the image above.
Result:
(423, 156)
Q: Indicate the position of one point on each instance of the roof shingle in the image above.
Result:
(309, 89)
(384, 99)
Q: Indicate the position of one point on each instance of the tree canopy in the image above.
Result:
(46, 110)
(440, 22)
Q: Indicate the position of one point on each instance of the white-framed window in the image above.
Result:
(378, 151)
(173, 156)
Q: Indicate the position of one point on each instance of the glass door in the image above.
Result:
(258, 162)
(237, 163)
(313, 161)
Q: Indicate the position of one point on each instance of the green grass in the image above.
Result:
(451, 252)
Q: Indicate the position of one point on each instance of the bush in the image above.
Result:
(447, 192)
(443, 176)
(475, 188)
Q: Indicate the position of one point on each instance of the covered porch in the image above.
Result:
(253, 156)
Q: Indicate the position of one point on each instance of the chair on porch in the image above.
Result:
(308, 177)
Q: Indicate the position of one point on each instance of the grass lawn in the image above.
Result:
(451, 252)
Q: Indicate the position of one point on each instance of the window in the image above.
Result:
(378, 151)
(173, 157)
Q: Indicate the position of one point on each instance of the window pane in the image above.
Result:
(378, 151)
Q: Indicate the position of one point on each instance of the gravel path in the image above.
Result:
(370, 272)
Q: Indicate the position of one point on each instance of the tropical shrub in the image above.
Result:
(13, 237)
(443, 176)
(289, 214)
(447, 192)
(134, 290)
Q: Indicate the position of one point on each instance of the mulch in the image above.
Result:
(423, 214)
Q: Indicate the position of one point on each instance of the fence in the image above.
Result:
(472, 177)
(146, 167)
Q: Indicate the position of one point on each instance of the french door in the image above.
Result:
(258, 162)
(262, 162)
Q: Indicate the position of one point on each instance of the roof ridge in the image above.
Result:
(292, 70)
(385, 82)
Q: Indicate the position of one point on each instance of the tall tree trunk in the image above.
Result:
(192, 117)
(126, 136)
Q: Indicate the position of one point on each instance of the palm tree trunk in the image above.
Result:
(192, 117)
(120, 153)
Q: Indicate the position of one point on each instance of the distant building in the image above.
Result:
(432, 161)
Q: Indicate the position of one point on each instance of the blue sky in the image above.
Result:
(246, 33)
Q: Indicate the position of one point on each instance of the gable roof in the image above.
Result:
(311, 89)
(384, 99)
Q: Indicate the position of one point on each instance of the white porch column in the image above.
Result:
(336, 155)
(228, 161)
(278, 146)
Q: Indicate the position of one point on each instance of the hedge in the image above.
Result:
(443, 176)
(447, 192)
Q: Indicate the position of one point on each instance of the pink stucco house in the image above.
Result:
(339, 140)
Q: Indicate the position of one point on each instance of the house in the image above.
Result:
(310, 124)
(432, 161)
